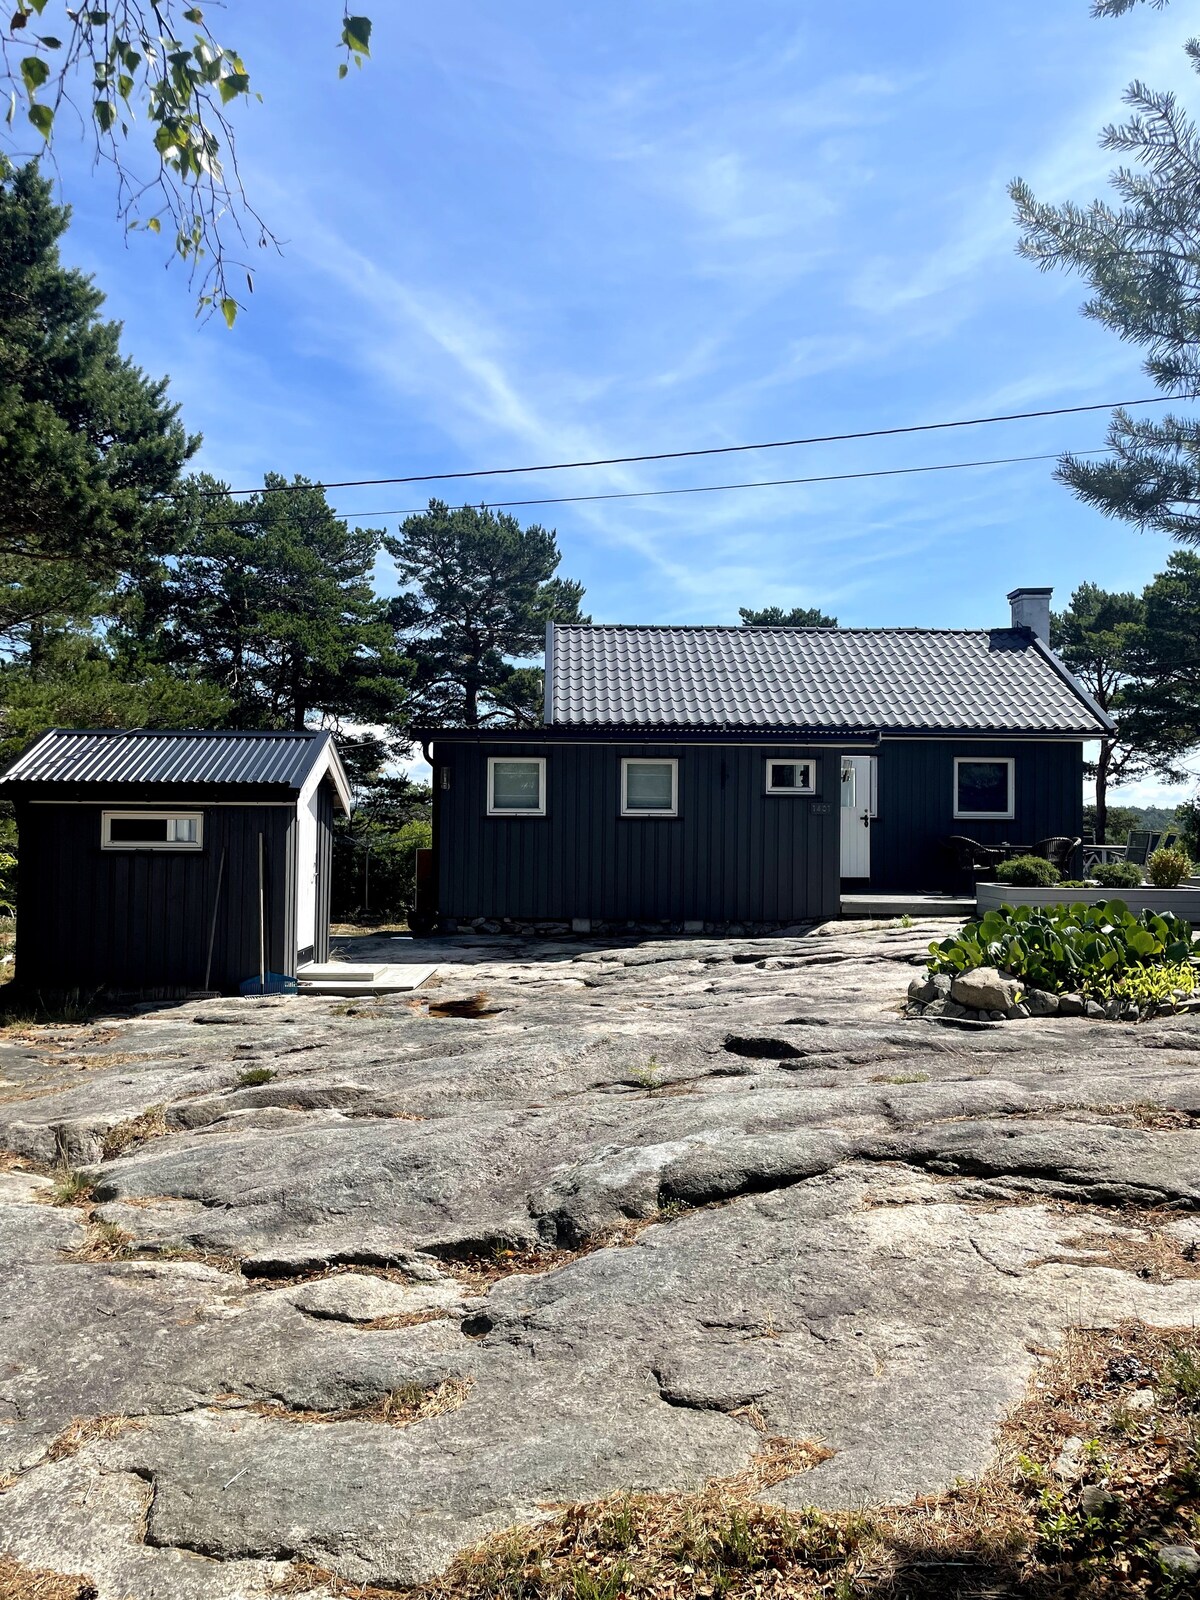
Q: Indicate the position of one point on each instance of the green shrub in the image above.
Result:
(1066, 948)
(1167, 868)
(1117, 874)
(1158, 988)
(1028, 872)
(1074, 883)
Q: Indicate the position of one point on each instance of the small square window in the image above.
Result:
(516, 786)
(791, 777)
(649, 788)
(983, 787)
(151, 830)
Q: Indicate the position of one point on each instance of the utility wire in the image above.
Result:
(717, 488)
(710, 450)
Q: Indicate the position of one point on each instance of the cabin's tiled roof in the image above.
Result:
(151, 756)
(1001, 680)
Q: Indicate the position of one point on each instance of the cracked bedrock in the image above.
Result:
(662, 1200)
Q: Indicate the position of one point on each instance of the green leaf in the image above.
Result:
(343, 70)
(42, 117)
(106, 114)
(153, 224)
(193, 14)
(49, 41)
(232, 85)
(356, 35)
(34, 73)
(229, 309)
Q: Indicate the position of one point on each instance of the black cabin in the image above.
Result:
(702, 777)
(154, 861)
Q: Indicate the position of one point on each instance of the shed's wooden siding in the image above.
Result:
(324, 869)
(734, 853)
(916, 804)
(140, 919)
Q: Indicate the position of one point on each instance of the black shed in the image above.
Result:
(160, 860)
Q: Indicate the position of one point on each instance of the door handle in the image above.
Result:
(866, 819)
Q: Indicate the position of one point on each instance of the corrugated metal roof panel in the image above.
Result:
(148, 756)
(896, 679)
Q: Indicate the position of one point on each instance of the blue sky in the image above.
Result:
(536, 232)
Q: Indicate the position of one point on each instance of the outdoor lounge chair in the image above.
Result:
(1058, 851)
(1141, 846)
(970, 858)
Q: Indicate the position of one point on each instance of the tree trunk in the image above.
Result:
(1102, 764)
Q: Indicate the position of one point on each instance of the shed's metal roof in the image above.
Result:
(999, 680)
(154, 756)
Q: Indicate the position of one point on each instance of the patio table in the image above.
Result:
(1096, 854)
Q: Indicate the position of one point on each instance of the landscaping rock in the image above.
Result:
(1071, 1005)
(1039, 1003)
(1179, 1560)
(985, 989)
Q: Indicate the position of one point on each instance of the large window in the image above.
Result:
(791, 777)
(983, 787)
(152, 830)
(516, 786)
(649, 788)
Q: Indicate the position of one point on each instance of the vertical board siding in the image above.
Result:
(140, 919)
(734, 853)
(916, 805)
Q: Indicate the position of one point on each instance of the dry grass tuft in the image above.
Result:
(104, 1241)
(71, 1188)
(19, 1582)
(413, 1402)
(406, 1319)
(86, 1430)
(475, 1005)
(123, 1136)
(1020, 1530)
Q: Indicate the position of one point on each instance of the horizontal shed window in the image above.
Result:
(516, 786)
(649, 788)
(983, 787)
(152, 830)
(791, 777)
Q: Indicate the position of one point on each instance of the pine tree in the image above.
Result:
(1163, 701)
(90, 448)
(1095, 637)
(1141, 257)
(271, 598)
(777, 617)
(479, 590)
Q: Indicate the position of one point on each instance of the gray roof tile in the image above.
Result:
(892, 679)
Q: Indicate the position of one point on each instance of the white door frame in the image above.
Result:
(858, 804)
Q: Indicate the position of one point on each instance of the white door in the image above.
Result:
(858, 807)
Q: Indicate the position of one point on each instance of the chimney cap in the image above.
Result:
(1026, 589)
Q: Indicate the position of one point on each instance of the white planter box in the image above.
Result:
(1183, 902)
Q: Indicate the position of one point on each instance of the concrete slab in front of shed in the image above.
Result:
(346, 978)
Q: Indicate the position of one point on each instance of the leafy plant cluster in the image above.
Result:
(1069, 949)
(1030, 872)
(1167, 868)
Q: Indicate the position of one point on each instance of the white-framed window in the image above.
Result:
(151, 830)
(516, 786)
(649, 787)
(983, 787)
(791, 777)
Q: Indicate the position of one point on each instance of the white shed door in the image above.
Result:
(858, 807)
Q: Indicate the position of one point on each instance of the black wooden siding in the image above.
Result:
(140, 919)
(916, 805)
(733, 854)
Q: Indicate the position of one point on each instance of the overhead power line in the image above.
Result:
(709, 450)
(758, 483)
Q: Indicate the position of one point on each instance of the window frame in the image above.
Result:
(649, 761)
(516, 811)
(127, 813)
(1010, 764)
(792, 761)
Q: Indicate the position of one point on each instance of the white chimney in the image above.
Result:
(1031, 609)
